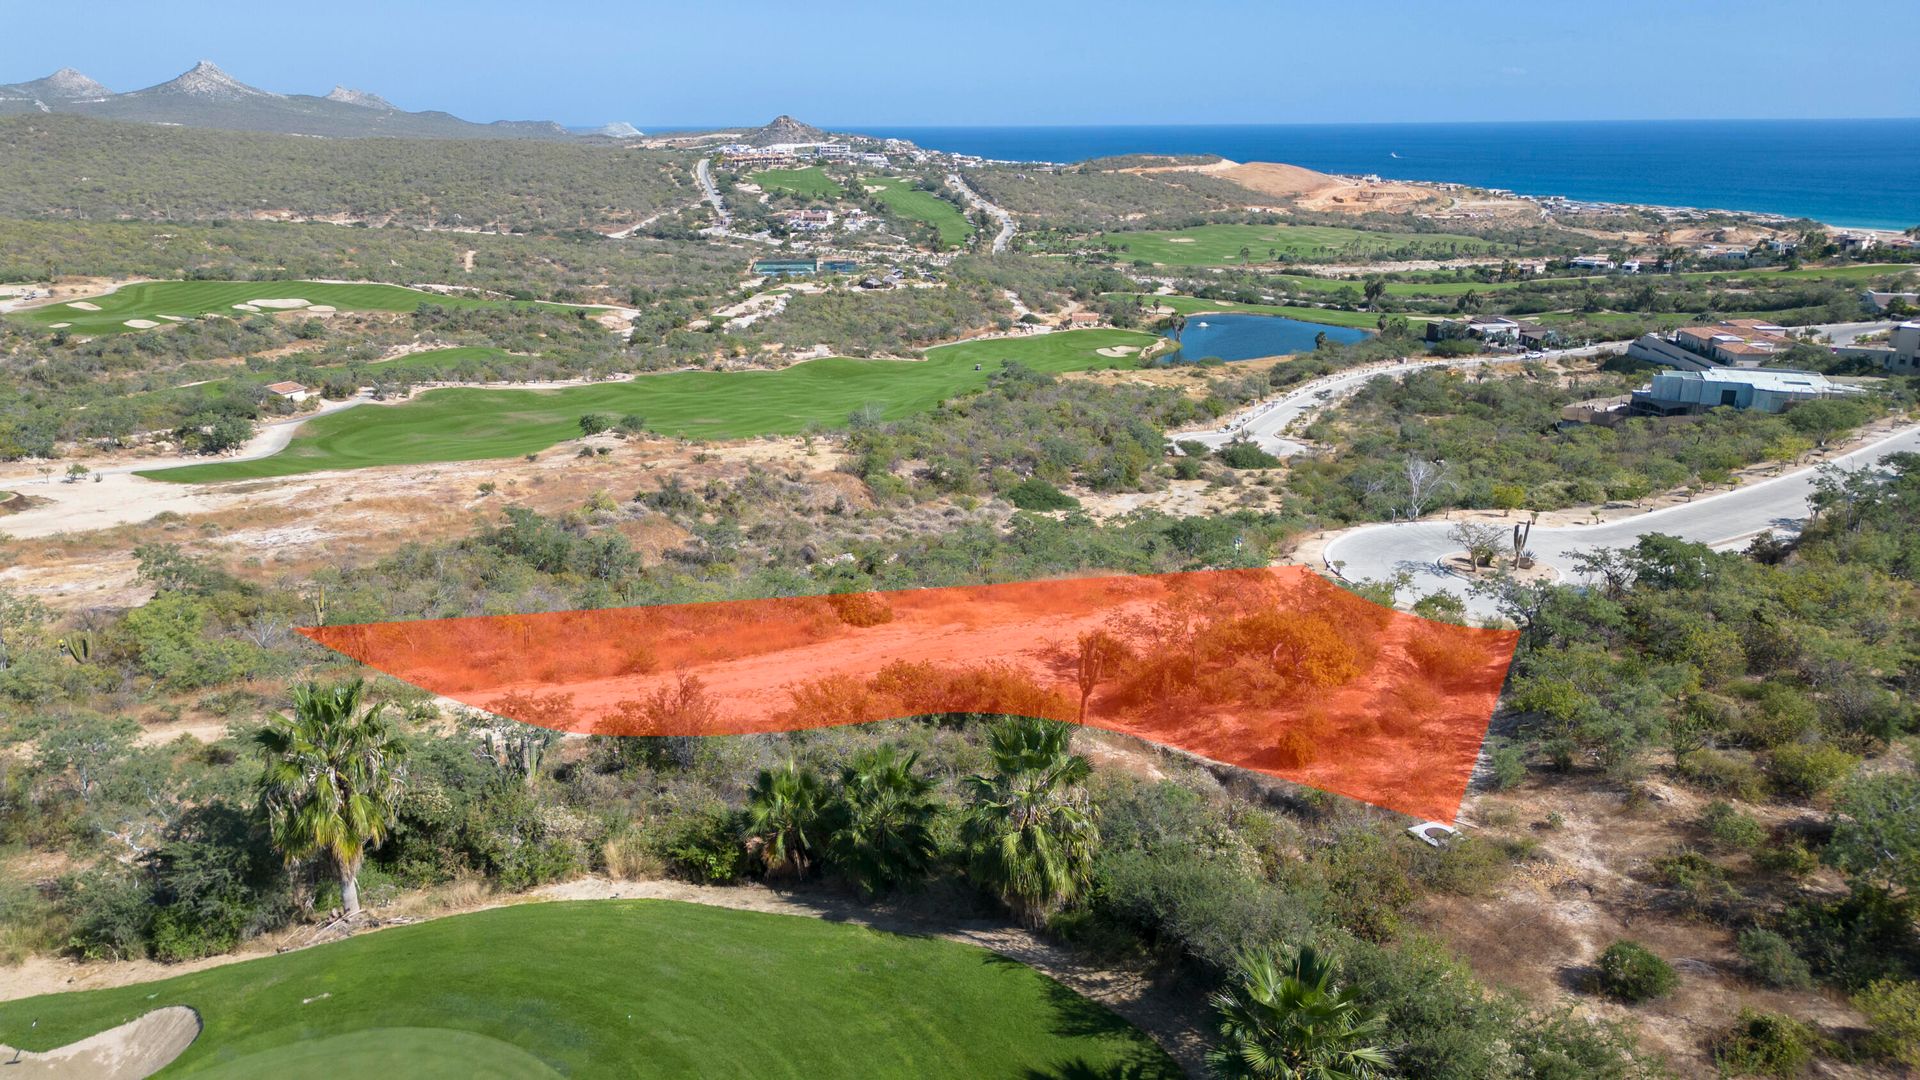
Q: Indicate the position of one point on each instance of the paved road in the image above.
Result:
(978, 201)
(1266, 422)
(704, 174)
(1726, 520)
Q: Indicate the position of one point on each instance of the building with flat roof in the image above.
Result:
(1734, 342)
(1679, 393)
(1901, 353)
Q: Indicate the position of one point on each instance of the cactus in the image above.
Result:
(79, 647)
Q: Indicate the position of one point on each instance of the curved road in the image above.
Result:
(1266, 422)
(978, 201)
(1728, 519)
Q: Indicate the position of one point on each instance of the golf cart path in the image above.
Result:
(1724, 520)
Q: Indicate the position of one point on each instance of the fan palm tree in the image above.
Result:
(1287, 1021)
(783, 815)
(332, 780)
(1373, 290)
(1031, 834)
(884, 821)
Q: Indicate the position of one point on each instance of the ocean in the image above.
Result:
(1850, 173)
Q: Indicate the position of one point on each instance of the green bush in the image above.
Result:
(1894, 1008)
(1770, 959)
(1034, 493)
(1806, 772)
(110, 913)
(1245, 454)
(705, 847)
(1763, 1044)
(1855, 939)
(1723, 773)
(1632, 973)
(1730, 829)
(1508, 763)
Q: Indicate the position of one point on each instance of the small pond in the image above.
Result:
(1248, 337)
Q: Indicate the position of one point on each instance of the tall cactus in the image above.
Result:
(79, 646)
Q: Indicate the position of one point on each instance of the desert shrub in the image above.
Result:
(1770, 959)
(109, 912)
(1788, 859)
(1731, 829)
(1034, 493)
(1894, 1008)
(1808, 771)
(1245, 454)
(629, 856)
(1699, 883)
(1855, 939)
(1631, 972)
(861, 608)
(1780, 715)
(1507, 763)
(1763, 1044)
(704, 847)
(1723, 772)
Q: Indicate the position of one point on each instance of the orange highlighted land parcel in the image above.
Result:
(1274, 670)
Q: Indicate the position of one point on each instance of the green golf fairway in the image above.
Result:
(618, 989)
(1219, 245)
(904, 200)
(470, 424)
(810, 181)
(154, 300)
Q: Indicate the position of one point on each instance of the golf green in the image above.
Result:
(619, 988)
(161, 302)
(470, 424)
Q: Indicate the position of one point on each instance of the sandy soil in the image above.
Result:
(75, 550)
(134, 1050)
(1540, 931)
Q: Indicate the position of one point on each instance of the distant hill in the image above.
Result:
(784, 129)
(208, 97)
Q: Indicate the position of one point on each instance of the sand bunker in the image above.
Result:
(321, 309)
(281, 305)
(1118, 350)
(82, 305)
(60, 325)
(133, 1051)
(142, 324)
(173, 318)
(1179, 239)
(246, 307)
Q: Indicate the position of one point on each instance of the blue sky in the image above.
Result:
(1031, 62)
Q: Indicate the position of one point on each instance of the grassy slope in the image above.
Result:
(1219, 245)
(623, 988)
(904, 200)
(469, 424)
(810, 182)
(186, 299)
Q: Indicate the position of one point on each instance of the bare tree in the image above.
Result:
(1426, 480)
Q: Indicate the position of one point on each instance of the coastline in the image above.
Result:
(1800, 171)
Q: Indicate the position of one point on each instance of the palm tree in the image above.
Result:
(883, 834)
(1373, 290)
(332, 780)
(783, 816)
(1287, 1021)
(1031, 834)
